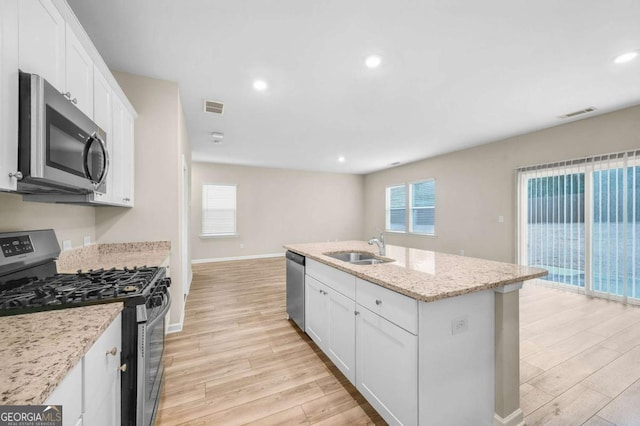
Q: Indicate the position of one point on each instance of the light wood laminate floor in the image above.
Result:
(239, 361)
(579, 359)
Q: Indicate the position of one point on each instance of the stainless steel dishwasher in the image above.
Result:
(295, 288)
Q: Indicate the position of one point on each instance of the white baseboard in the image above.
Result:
(514, 419)
(226, 259)
(177, 328)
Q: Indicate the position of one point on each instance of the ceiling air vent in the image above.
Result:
(576, 113)
(214, 107)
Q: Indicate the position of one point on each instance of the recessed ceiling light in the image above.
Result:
(341, 159)
(260, 85)
(373, 61)
(626, 57)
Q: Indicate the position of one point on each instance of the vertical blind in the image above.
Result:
(218, 209)
(580, 220)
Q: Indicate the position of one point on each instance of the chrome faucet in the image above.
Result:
(380, 243)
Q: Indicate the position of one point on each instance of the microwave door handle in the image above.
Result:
(92, 139)
(107, 163)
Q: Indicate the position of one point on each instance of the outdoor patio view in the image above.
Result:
(556, 229)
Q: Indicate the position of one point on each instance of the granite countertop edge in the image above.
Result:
(365, 272)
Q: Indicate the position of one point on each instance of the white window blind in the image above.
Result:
(580, 220)
(396, 208)
(419, 217)
(218, 209)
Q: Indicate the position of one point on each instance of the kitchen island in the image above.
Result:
(427, 338)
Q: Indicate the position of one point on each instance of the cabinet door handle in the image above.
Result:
(67, 95)
(74, 101)
(356, 312)
(17, 175)
(378, 302)
(123, 368)
(113, 351)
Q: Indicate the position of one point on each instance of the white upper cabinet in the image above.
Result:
(8, 94)
(42, 41)
(127, 158)
(79, 74)
(101, 102)
(44, 37)
(102, 116)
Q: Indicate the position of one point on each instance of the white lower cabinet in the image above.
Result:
(330, 322)
(411, 360)
(102, 378)
(69, 394)
(341, 347)
(90, 392)
(316, 312)
(387, 367)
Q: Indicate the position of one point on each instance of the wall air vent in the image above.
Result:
(214, 107)
(576, 113)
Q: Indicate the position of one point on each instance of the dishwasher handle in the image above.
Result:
(295, 257)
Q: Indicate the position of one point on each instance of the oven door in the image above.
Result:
(59, 145)
(150, 362)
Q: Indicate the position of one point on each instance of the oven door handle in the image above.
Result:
(164, 311)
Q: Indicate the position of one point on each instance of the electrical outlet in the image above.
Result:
(87, 240)
(459, 325)
(500, 219)
(461, 252)
(241, 245)
(66, 244)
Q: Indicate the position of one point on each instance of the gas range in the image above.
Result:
(133, 286)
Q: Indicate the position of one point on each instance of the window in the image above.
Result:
(396, 208)
(580, 220)
(218, 209)
(420, 217)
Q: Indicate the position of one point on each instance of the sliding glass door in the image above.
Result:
(615, 228)
(580, 220)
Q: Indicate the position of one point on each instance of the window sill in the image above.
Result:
(412, 234)
(206, 236)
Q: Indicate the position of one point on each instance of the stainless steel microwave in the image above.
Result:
(60, 149)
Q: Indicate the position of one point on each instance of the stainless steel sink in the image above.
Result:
(369, 261)
(358, 258)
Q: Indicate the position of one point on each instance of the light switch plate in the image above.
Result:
(87, 240)
(66, 244)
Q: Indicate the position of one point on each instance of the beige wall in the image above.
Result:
(70, 222)
(475, 186)
(277, 206)
(159, 143)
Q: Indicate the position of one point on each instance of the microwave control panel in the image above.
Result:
(15, 246)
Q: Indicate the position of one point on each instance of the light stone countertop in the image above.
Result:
(421, 274)
(39, 349)
(114, 255)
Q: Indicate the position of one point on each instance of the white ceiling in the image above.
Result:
(455, 73)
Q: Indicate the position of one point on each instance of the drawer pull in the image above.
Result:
(123, 368)
(378, 302)
(113, 351)
(356, 313)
